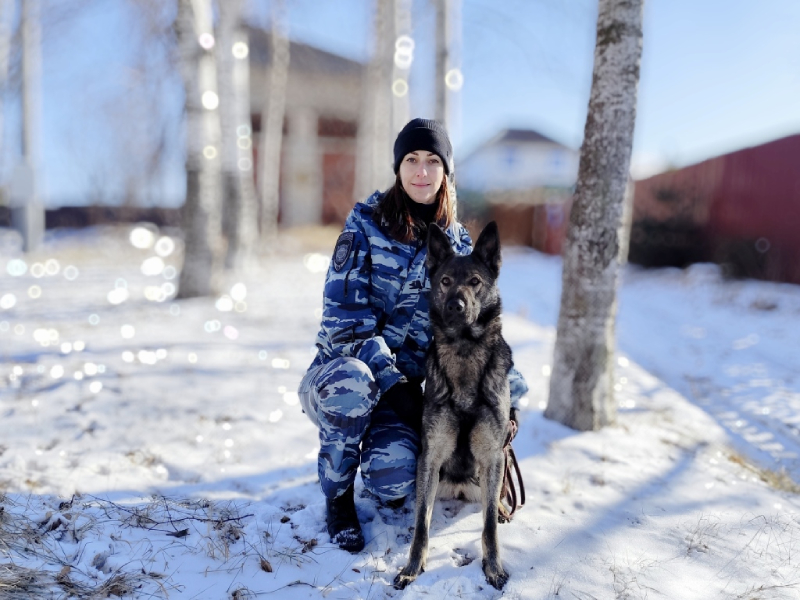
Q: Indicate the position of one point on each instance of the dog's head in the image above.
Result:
(464, 288)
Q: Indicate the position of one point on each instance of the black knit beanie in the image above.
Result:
(424, 134)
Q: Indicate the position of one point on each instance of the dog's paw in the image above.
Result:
(496, 577)
(404, 578)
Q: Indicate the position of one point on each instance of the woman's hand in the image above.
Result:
(405, 399)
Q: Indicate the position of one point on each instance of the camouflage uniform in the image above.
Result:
(375, 332)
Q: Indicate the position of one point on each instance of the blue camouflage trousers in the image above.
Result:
(340, 398)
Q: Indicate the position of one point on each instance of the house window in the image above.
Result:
(556, 160)
(510, 157)
(337, 128)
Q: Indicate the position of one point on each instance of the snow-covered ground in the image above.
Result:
(157, 447)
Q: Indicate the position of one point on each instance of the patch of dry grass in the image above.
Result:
(778, 480)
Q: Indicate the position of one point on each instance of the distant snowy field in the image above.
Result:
(156, 448)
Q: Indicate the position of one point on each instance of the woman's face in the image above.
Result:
(422, 173)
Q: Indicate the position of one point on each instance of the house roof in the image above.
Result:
(513, 135)
(521, 135)
(302, 57)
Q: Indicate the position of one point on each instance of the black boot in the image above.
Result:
(343, 525)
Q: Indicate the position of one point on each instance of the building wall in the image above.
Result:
(518, 166)
(317, 165)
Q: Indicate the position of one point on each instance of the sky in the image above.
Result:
(716, 76)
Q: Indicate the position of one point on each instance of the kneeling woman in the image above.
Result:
(363, 389)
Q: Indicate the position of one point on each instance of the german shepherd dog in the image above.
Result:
(467, 399)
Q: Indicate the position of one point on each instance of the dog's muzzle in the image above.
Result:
(456, 311)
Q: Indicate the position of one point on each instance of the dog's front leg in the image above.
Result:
(492, 477)
(427, 483)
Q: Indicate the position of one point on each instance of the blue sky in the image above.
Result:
(717, 75)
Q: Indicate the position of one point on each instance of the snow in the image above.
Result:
(157, 447)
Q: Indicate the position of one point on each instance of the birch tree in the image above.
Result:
(581, 384)
(6, 13)
(201, 210)
(272, 126)
(239, 200)
(374, 166)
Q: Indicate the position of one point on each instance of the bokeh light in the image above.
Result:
(152, 266)
(7, 301)
(71, 272)
(210, 100)
(239, 292)
(17, 267)
(206, 40)
(400, 87)
(454, 80)
(141, 237)
(52, 266)
(224, 304)
(240, 50)
(316, 263)
(164, 246)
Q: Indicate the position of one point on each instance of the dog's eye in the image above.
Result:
(446, 281)
(474, 281)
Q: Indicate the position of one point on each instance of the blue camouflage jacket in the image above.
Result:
(375, 304)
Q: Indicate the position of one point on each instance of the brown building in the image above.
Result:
(323, 117)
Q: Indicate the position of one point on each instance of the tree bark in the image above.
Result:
(239, 201)
(581, 384)
(201, 210)
(374, 165)
(443, 59)
(272, 127)
(6, 14)
(403, 57)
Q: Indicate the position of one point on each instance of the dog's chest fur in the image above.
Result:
(463, 363)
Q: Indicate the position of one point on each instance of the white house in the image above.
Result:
(516, 163)
(524, 181)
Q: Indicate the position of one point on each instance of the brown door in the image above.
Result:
(338, 179)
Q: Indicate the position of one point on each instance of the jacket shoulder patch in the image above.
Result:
(343, 247)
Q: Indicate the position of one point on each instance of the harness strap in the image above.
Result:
(508, 493)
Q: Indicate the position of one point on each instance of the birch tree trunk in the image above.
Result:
(403, 57)
(239, 201)
(27, 210)
(201, 211)
(443, 16)
(6, 14)
(272, 126)
(581, 384)
(374, 165)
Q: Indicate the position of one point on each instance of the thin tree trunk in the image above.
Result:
(6, 14)
(443, 16)
(239, 202)
(403, 57)
(27, 214)
(374, 165)
(272, 126)
(581, 384)
(201, 211)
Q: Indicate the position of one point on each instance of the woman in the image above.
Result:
(363, 389)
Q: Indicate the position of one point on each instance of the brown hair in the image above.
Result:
(393, 210)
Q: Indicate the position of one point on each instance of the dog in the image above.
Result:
(467, 403)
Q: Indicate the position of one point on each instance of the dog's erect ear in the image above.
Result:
(439, 249)
(487, 248)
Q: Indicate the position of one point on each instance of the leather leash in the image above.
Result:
(511, 466)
